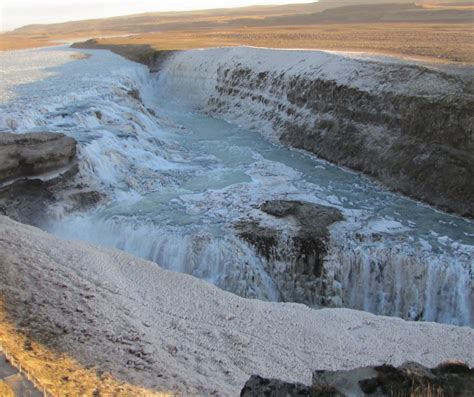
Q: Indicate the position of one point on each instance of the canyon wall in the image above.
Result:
(408, 125)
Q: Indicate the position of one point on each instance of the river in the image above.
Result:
(177, 182)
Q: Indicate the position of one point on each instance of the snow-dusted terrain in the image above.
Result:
(171, 332)
(197, 78)
(177, 181)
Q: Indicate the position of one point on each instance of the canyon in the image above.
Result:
(408, 125)
(244, 168)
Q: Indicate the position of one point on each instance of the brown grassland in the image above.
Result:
(435, 30)
(442, 42)
(431, 41)
(59, 374)
(5, 390)
(20, 41)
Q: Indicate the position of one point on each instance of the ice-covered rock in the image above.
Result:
(408, 125)
(33, 154)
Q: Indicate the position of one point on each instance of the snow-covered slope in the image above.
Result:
(128, 316)
(408, 125)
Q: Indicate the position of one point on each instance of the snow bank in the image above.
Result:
(132, 318)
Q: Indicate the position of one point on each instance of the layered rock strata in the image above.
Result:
(33, 154)
(408, 125)
(38, 170)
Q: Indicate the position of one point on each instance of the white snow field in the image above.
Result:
(198, 338)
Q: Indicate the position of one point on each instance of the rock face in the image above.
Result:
(36, 171)
(294, 255)
(26, 155)
(419, 146)
(408, 125)
(27, 200)
(450, 379)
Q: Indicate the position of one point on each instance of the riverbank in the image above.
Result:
(85, 304)
(408, 125)
(203, 192)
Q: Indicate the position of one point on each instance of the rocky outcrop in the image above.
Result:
(294, 254)
(33, 154)
(420, 146)
(141, 53)
(450, 379)
(408, 125)
(36, 171)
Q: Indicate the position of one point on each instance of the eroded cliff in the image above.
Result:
(408, 125)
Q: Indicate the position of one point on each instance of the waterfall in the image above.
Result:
(224, 261)
(379, 277)
(411, 285)
(176, 182)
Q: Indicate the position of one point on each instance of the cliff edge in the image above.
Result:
(409, 125)
(169, 332)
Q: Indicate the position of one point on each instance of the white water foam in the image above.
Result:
(177, 181)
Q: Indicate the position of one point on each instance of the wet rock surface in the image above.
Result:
(450, 379)
(26, 155)
(27, 200)
(310, 239)
(38, 170)
(294, 254)
(409, 126)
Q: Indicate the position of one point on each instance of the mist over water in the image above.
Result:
(177, 181)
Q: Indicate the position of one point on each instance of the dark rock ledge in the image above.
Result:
(450, 379)
(309, 241)
(26, 155)
(300, 249)
(36, 171)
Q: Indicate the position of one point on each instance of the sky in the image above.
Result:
(16, 13)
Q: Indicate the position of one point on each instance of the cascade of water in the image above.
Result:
(131, 153)
(224, 261)
(394, 281)
(402, 282)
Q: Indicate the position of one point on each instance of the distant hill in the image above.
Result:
(376, 13)
(324, 11)
(431, 28)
